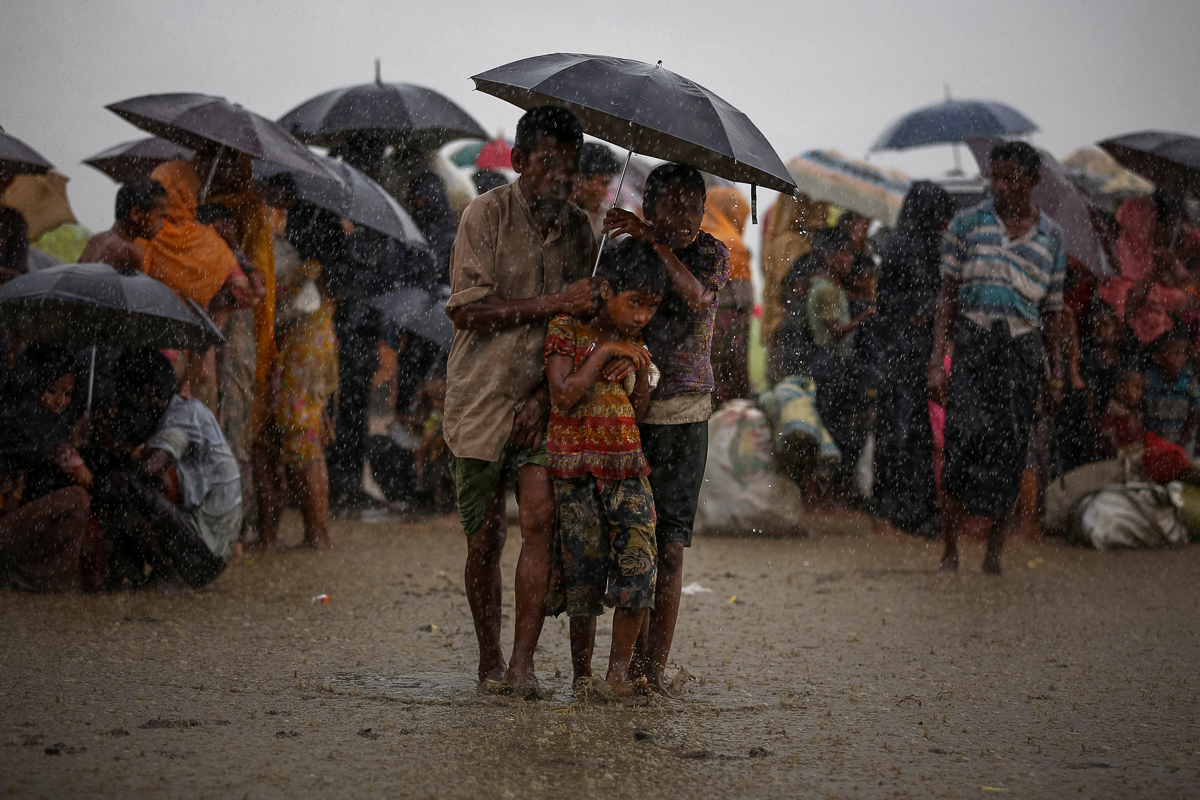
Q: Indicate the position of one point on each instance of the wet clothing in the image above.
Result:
(210, 485)
(1168, 403)
(677, 455)
(994, 383)
(185, 255)
(1013, 280)
(477, 481)
(598, 435)
(604, 536)
(827, 302)
(41, 542)
(680, 341)
(500, 251)
(29, 438)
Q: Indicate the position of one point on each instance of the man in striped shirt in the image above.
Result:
(1003, 264)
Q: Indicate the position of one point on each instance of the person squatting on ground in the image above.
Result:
(1003, 265)
(674, 430)
(44, 484)
(598, 370)
(522, 256)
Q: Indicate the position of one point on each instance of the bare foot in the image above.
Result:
(523, 681)
(492, 672)
(595, 689)
(658, 685)
(949, 563)
(620, 685)
(991, 565)
(320, 545)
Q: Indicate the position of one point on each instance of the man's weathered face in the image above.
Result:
(548, 171)
(1011, 187)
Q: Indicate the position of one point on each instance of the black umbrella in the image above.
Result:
(198, 120)
(954, 121)
(1167, 159)
(645, 109)
(97, 305)
(352, 195)
(18, 158)
(131, 161)
(419, 312)
(400, 114)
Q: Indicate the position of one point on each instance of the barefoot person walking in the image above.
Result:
(1003, 264)
(522, 256)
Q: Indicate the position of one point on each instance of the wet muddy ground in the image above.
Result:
(828, 666)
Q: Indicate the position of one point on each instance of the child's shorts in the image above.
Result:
(604, 540)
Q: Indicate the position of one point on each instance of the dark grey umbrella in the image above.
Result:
(131, 161)
(400, 114)
(97, 305)
(419, 312)
(18, 158)
(197, 120)
(954, 121)
(352, 195)
(1167, 159)
(645, 109)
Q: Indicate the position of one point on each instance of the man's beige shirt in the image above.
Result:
(500, 251)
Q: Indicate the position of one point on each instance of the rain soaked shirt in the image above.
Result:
(680, 341)
(1015, 280)
(208, 473)
(500, 251)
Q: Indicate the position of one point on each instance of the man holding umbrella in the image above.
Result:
(522, 255)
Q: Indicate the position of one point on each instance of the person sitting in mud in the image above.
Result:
(139, 215)
(170, 494)
(44, 483)
(598, 369)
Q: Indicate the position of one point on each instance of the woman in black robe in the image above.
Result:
(909, 282)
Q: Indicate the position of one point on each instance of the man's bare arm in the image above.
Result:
(497, 313)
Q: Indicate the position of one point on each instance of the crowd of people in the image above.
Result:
(964, 358)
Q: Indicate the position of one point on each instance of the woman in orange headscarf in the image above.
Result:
(185, 255)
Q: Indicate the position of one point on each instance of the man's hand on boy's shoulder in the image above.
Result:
(580, 297)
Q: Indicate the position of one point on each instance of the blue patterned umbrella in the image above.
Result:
(954, 121)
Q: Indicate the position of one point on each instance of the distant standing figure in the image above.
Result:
(1003, 265)
(139, 215)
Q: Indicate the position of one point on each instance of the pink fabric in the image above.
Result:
(1154, 318)
(1135, 245)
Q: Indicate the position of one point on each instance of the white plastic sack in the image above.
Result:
(1132, 515)
(742, 493)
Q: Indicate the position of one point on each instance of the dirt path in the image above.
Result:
(834, 666)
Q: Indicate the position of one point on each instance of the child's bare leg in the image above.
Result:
(313, 481)
(639, 665)
(583, 642)
(952, 522)
(665, 613)
(627, 624)
(266, 482)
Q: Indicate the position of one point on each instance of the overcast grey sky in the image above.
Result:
(810, 74)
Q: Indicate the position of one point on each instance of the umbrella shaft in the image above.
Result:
(91, 379)
(211, 172)
(616, 197)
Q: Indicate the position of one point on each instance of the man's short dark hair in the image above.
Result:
(1023, 154)
(141, 194)
(848, 219)
(137, 369)
(667, 175)
(551, 122)
(828, 242)
(632, 264)
(596, 159)
(209, 213)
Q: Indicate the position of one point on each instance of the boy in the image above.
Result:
(597, 168)
(1172, 394)
(139, 213)
(605, 517)
(674, 430)
(1121, 424)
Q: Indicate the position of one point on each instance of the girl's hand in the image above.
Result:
(618, 221)
(639, 357)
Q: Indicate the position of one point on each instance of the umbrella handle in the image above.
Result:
(616, 196)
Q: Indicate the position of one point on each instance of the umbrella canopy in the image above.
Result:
(129, 162)
(42, 201)
(420, 312)
(496, 154)
(96, 304)
(827, 176)
(954, 121)
(18, 158)
(401, 114)
(1063, 201)
(194, 120)
(645, 109)
(351, 194)
(1167, 159)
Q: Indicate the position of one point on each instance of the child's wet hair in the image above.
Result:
(666, 175)
(632, 264)
(209, 213)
